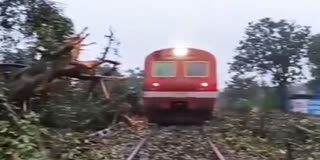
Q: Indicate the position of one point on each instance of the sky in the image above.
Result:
(143, 26)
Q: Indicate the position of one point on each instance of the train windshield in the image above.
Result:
(164, 69)
(196, 69)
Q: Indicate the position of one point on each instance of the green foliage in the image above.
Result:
(68, 146)
(22, 139)
(70, 110)
(29, 28)
(244, 93)
(275, 48)
(36, 24)
(25, 138)
(314, 58)
(135, 84)
(136, 79)
(73, 107)
(243, 87)
(74, 110)
(240, 88)
(270, 100)
(243, 106)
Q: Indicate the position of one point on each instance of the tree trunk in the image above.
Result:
(262, 124)
(283, 91)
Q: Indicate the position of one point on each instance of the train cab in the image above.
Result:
(180, 85)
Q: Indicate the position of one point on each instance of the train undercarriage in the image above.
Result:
(178, 114)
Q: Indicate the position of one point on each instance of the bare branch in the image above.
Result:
(84, 45)
(83, 30)
(111, 40)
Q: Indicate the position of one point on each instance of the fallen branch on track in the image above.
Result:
(216, 150)
(301, 128)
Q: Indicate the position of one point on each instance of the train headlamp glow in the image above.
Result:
(204, 84)
(180, 52)
(156, 84)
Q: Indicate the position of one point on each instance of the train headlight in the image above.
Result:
(180, 52)
(204, 84)
(155, 84)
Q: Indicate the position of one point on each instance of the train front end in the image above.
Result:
(180, 86)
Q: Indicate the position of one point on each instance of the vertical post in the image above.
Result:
(104, 89)
(25, 106)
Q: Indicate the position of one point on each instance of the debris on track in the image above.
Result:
(284, 136)
(173, 142)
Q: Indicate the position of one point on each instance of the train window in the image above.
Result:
(164, 69)
(196, 69)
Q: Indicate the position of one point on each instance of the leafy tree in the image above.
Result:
(314, 58)
(241, 82)
(242, 94)
(135, 79)
(274, 48)
(135, 83)
(240, 87)
(37, 24)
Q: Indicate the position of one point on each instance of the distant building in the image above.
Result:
(299, 102)
(302, 100)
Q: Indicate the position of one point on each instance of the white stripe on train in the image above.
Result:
(159, 94)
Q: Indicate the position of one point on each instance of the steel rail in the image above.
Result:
(140, 144)
(212, 145)
(137, 148)
(216, 150)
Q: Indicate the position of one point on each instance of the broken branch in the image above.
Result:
(304, 129)
(104, 89)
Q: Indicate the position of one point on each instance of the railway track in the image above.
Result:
(205, 148)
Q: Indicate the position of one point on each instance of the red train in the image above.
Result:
(180, 85)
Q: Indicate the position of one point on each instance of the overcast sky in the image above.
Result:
(213, 25)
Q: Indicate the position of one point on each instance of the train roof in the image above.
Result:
(193, 49)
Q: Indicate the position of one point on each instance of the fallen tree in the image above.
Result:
(35, 80)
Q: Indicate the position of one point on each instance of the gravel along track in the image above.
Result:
(176, 142)
(170, 143)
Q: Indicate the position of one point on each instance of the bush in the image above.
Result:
(22, 139)
(243, 106)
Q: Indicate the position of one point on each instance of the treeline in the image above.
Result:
(272, 57)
